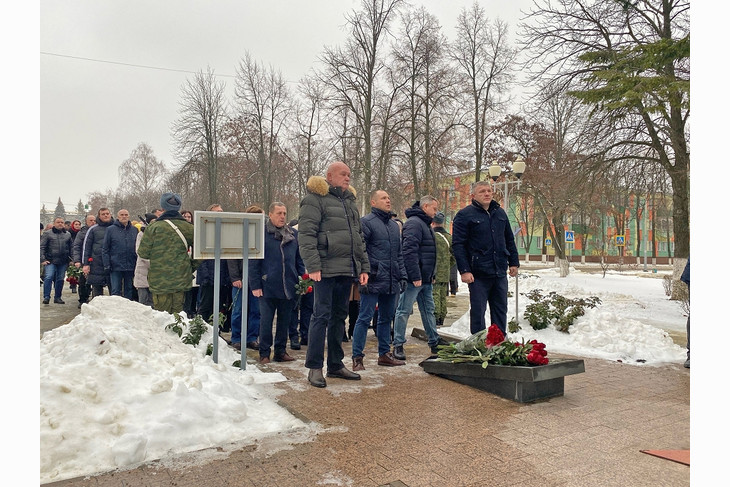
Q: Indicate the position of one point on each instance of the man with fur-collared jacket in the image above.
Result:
(333, 251)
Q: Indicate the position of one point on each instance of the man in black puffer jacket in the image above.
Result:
(484, 247)
(55, 256)
(333, 251)
(419, 257)
(92, 259)
(386, 279)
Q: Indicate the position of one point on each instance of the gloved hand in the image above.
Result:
(403, 285)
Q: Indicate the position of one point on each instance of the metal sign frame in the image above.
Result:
(228, 235)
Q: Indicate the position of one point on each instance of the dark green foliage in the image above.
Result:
(555, 309)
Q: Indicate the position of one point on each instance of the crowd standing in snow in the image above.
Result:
(376, 262)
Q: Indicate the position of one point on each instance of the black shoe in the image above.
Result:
(59, 301)
(399, 353)
(343, 373)
(435, 347)
(304, 341)
(80, 305)
(253, 345)
(316, 378)
(295, 343)
(686, 363)
(46, 300)
(73, 290)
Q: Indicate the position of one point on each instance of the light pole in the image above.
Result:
(518, 169)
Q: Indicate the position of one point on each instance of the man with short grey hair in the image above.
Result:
(419, 257)
(485, 250)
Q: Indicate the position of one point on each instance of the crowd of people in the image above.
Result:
(370, 270)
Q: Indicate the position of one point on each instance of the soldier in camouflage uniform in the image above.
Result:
(171, 268)
(444, 261)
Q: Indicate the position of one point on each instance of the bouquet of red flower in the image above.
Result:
(491, 347)
(304, 286)
(73, 274)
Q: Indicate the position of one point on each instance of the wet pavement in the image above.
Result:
(400, 426)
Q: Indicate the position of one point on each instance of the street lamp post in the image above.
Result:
(518, 169)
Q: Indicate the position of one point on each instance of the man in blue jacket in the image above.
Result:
(273, 281)
(119, 254)
(484, 248)
(419, 258)
(386, 278)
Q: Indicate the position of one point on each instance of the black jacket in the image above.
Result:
(93, 243)
(383, 244)
(483, 241)
(419, 246)
(56, 246)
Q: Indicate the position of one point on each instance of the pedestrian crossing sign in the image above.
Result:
(548, 242)
(620, 242)
(569, 236)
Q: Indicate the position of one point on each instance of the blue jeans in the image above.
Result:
(386, 310)
(283, 309)
(423, 295)
(492, 290)
(254, 317)
(122, 280)
(53, 275)
(331, 304)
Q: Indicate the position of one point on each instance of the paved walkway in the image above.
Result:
(403, 427)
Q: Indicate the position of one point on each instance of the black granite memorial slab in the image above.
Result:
(517, 383)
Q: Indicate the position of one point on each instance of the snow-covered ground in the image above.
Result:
(631, 324)
(117, 389)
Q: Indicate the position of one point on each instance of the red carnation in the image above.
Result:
(305, 276)
(309, 289)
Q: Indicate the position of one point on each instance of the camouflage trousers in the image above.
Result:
(171, 302)
(440, 291)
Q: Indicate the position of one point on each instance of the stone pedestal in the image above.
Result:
(520, 384)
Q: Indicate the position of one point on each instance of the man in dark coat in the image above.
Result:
(77, 251)
(96, 275)
(331, 245)
(55, 256)
(273, 281)
(419, 257)
(484, 248)
(119, 255)
(386, 279)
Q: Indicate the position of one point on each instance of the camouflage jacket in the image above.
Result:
(444, 255)
(171, 268)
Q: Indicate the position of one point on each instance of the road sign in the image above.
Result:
(620, 242)
(548, 242)
(569, 236)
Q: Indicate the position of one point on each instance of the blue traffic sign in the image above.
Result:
(569, 236)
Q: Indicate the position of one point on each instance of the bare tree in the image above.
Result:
(630, 62)
(309, 148)
(350, 72)
(263, 101)
(197, 133)
(142, 175)
(485, 62)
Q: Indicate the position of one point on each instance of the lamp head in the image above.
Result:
(494, 171)
(518, 167)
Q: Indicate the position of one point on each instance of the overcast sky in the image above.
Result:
(94, 111)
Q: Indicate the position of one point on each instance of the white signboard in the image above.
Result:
(231, 234)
